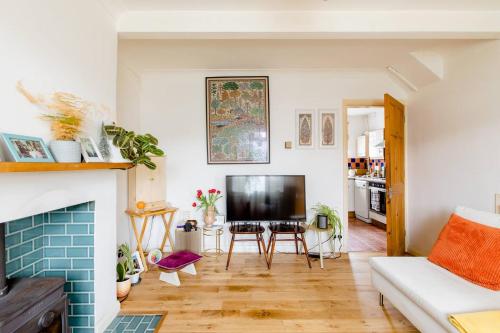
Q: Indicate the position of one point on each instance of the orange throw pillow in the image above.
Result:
(470, 250)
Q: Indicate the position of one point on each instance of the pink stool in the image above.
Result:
(178, 261)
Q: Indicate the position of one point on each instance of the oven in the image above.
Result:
(377, 197)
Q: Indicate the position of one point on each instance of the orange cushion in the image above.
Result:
(470, 250)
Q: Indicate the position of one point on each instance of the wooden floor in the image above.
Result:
(288, 298)
(366, 237)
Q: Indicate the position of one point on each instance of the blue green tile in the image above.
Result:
(78, 320)
(92, 206)
(134, 323)
(142, 328)
(79, 298)
(120, 327)
(55, 252)
(39, 266)
(32, 257)
(91, 298)
(91, 252)
(60, 217)
(83, 263)
(32, 233)
(77, 275)
(38, 219)
(77, 252)
(19, 224)
(83, 309)
(38, 243)
(91, 229)
(77, 229)
(55, 229)
(24, 273)
(83, 286)
(91, 321)
(78, 208)
(83, 329)
(54, 273)
(60, 240)
(67, 287)
(60, 263)
(91, 275)
(13, 266)
(20, 250)
(83, 240)
(13, 239)
(83, 217)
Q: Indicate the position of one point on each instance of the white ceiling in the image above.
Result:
(363, 111)
(300, 5)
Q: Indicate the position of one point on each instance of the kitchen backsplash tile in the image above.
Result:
(356, 163)
(376, 162)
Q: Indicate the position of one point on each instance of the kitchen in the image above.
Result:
(366, 179)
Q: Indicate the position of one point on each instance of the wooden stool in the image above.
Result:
(182, 261)
(145, 215)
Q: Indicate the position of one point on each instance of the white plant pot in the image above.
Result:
(114, 154)
(134, 278)
(66, 151)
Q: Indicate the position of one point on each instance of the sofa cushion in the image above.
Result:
(470, 250)
(434, 289)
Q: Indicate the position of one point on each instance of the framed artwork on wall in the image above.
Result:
(327, 120)
(21, 148)
(237, 116)
(305, 124)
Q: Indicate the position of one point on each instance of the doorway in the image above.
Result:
(374, 175)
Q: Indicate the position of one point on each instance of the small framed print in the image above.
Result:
(138, 264)
(20, 148)
(305, 124)
(90, 151)
(327, 120)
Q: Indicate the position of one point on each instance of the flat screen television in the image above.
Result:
(266, 198)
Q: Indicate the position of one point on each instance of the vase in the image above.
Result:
(123, 288)
(66, 151)
(209, 217)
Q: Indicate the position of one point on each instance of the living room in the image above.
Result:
(148, 67)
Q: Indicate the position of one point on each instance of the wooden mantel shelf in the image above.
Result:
(45, 167)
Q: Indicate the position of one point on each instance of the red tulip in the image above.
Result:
(194, 204)
(218, 192)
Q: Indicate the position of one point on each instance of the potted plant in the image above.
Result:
(207, 203)
(125, 257)
(66, 114)
(333, 217)
(123, 284)
(135, 147)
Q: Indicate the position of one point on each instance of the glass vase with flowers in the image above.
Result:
(207, 203)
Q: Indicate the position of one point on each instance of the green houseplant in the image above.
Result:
(135, 147)
(334, 221)
(125, 257)
(122, 282)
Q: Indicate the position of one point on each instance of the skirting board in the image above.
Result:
(106, 320)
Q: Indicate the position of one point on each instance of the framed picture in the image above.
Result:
(327, 128)
(305, 124)
(138, 265)
(90, 151)
(237, 115)
(26, 148)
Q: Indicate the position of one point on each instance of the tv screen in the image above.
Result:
(266, 198)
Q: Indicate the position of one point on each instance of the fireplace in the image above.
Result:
(48, 260)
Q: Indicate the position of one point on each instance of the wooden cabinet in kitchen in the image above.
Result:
(376, 143)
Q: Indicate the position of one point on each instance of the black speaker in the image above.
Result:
(322, 221)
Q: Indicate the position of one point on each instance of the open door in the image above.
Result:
(395, 175)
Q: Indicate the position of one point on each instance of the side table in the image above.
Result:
(319, 232)
(213, 231)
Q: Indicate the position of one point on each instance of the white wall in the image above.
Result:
(357, 125)
(376, 119)
(68, 46)
(173, 109)
(453, 143)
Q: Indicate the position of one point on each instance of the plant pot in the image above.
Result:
(66, 151)
(135, 278)
(209, 217)
(123, 288)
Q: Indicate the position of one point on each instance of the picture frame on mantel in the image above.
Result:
(327, 128)
(305, 128)
(237, 120)
(22, 148)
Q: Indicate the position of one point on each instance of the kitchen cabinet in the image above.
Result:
(362, 146)
(376, 143)
(350, 193)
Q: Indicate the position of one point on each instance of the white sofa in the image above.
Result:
(426, 293)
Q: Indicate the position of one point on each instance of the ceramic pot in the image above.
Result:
(134, 278)
(66, 151)
(209, 217)
(123, 288)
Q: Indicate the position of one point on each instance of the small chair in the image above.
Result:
(287, 228)
(247, 228)
(182, 261)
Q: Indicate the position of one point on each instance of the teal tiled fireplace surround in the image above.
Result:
(58, 244)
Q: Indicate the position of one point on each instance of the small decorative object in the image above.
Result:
(123, 282)
(137, 262)
(66, 113)
(321, 221)
(20, 148)
(207, 203)
(154, 256)
(237, 120)
(104, 144)
(327, 128)
(134, 147)
(304, 128)
(333, 217)
(90, 151)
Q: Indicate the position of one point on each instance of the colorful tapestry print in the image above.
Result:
(237, 120)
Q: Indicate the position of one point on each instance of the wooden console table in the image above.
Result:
(145, 215)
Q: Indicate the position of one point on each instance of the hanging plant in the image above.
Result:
(135, 147)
